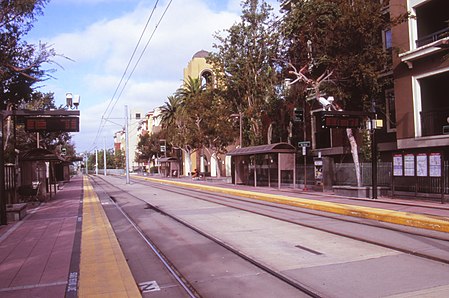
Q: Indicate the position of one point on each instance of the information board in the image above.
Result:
(421, 165)
(435, 165)
(52, 124)
(409, 165)
(398, 166)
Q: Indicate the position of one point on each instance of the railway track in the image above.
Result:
(171, 266)
(437, 239)
(420, 243)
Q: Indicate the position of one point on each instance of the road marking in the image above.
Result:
(309, 250)
(149, 286)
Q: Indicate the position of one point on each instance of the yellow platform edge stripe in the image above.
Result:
(104, 271)
(440, 224)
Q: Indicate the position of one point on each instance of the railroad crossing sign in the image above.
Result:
(304, 144)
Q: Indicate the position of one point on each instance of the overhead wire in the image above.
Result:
(143, 52)
(103, 118)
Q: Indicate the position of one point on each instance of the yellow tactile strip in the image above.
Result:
(104, 271)
(391, 216)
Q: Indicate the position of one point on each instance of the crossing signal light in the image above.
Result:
(298, 115)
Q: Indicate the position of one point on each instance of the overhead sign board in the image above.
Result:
(52, 124)
(342, 121)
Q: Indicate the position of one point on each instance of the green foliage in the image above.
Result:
(148, 146)
(246, 64)
(119, 159)
(341, 36)
(20, 62)
(113, 161)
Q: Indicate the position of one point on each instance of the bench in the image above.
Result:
(16, 212)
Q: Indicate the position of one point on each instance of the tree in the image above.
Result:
(217, 133)
(20, 62)
(246, 64)
(177, 127)
(111, 162)
(343, 37)
(119, 159)
(148, 146)
(340, 38)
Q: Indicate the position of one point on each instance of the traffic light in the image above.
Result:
(298, 115)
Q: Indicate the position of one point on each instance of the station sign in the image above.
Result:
(52, 124)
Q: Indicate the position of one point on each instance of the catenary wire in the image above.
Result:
(103, 120)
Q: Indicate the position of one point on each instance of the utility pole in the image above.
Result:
(96, 162)
(373, 150)
(3, 219)
(104, 158)
(126, 144)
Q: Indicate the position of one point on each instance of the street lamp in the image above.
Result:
(72, 101)
(239, 115)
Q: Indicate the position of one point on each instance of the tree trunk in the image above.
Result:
(355, 155)
(217, 164)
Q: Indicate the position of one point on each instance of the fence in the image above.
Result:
(345, 174)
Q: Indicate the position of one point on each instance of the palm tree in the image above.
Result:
(170, 110)
(192, 87)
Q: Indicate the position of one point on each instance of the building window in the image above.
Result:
(387, 39)
(137, 116)
(207, 79)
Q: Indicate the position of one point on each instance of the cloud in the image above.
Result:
(102, 49)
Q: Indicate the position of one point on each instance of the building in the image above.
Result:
(201, 160)
(135, 129)
(421, 88)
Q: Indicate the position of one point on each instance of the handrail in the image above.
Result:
(440, 34)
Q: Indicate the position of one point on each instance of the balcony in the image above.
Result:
(432, 122)
(441, 34)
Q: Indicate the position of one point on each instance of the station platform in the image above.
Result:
(66, 247)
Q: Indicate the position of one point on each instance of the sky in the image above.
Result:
(95, 40)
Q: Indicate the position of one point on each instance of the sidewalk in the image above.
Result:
(36, 252)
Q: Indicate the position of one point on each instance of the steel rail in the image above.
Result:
(303, 288)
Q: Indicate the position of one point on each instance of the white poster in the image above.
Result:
(409, 165)
(397, 165)
(421, 165)
(435, 165)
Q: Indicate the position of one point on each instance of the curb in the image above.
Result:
(440, 224)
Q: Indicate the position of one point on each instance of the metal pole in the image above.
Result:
(96, 161)
(374, 161)
(3, 219)
(126, 145)
(104, 158)
(373, 152)
(305, 149)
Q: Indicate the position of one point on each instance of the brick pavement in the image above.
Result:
(35, 253)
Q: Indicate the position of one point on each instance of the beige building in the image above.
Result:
(202, 161)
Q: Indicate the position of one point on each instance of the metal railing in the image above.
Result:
(432, 37)
(432, 122)
(345, 174)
